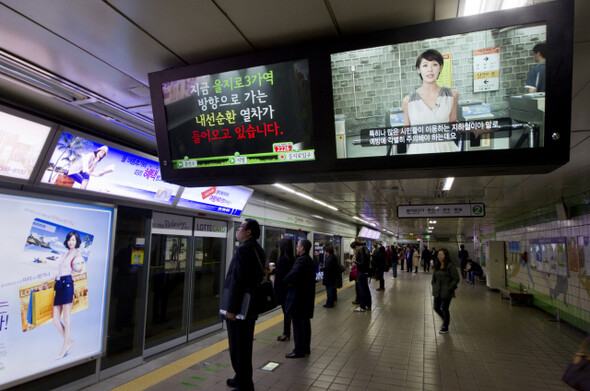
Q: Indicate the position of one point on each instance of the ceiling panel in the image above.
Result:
(271, 23)
(200, 33)
(356, 17)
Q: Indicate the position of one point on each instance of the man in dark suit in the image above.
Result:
(300, 300)
(245, 272)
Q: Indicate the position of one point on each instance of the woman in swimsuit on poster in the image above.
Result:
(430, 103)
(71, 262)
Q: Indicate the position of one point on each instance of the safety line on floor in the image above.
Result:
(158, 375)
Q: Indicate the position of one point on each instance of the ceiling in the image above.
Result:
(100, 52)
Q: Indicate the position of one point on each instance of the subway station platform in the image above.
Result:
(491, 346)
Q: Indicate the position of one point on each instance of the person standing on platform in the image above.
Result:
(285, 262)
(394, 260)
(363, 264)
(245, 272)
(300, 299)
(379, 265)
(416, 259)
(463, 256)
(409, 254)
(425, 259)
(331, 271)
(444, 282)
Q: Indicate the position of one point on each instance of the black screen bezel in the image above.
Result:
(558, 18)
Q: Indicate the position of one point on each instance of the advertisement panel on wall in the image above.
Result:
(21, 144)
(55, 269)
(83, 164)
(229, 200)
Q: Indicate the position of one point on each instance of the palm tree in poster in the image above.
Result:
(71, 147)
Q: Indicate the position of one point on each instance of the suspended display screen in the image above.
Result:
(87, 165)
(255, 115)
(487, 94)
(478, 91)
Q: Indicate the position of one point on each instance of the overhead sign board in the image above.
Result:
(449, 210)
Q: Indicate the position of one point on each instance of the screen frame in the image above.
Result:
(238, 174)
(556, 15)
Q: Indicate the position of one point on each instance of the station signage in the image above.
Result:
(448, 210)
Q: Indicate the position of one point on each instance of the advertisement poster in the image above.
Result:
(52, 285)
(86, 165)
(22, 141)
(549, 255)
(230, 200)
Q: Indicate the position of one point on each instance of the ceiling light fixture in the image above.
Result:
(474, 7)
(448, 184)
(303, 195)
(432, 222)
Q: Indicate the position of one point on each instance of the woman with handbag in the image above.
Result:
(284, 265)
(70, 262)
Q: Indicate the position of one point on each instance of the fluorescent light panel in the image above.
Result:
(448, 183)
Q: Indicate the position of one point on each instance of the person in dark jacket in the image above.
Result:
(379, 265)
(394, 260)
(300, 299)
(284, 265)
(474, 269)
(425, 259)
(331, 271)
(363, 261)
(463, 256)
(245, 272)
(444, 282)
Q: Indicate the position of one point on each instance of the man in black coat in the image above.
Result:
(245, 272)
(300, 300)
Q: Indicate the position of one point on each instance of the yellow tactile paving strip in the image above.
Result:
(158, 375)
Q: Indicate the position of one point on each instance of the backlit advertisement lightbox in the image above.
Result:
(83, 164)
(55, 269)
(21, 142)
(229, 200)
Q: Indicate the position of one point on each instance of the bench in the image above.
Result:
(516, 296)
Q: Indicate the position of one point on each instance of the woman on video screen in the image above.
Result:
(430, 103)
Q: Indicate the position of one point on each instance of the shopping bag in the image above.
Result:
(30, 310)
(42, 306)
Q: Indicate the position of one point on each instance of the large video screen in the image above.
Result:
(21, 142)
(246, 116)
(54, 274)
(87, 165)
(482, 90)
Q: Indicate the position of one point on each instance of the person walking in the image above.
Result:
(416, 259)
(301, 298)
(245, 272)
(444, 282)
(394, 260)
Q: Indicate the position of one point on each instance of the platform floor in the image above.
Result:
(396, 346)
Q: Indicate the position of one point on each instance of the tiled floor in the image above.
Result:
(491, 346)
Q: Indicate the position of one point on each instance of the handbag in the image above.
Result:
(353, 273)
(263, 296)
(577, 373)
